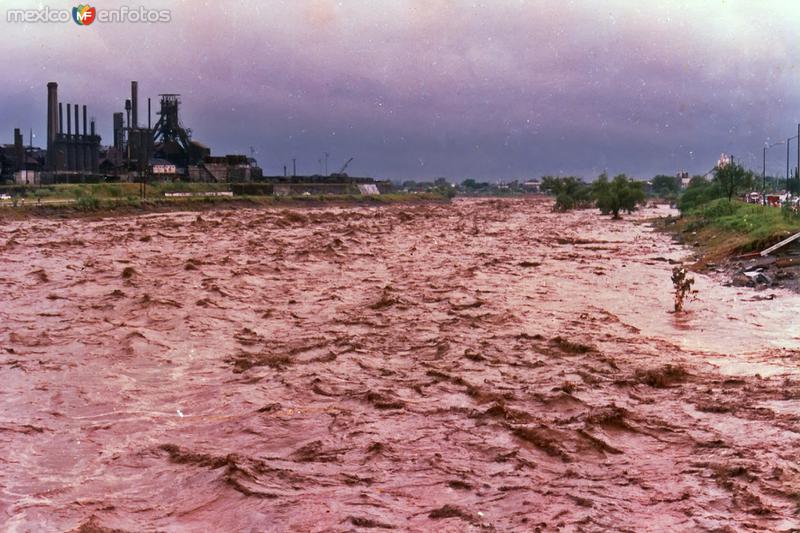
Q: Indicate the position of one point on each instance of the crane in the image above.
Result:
(341, 173)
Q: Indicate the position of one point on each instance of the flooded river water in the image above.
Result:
(484, 365)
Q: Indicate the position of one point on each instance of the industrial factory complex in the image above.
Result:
(161, 150)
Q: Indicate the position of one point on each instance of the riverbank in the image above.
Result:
(727, 237)
(95, 207)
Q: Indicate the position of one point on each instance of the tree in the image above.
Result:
(472, 185)
(698, 192)
(794, 184)
(732, 178)
(697, 181)
(443, 187)
(619, 194)
(564, 202)
(570, 192)
(666, 186)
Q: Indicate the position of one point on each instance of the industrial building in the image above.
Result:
(20, 162)
(68, 152)
(162, 150)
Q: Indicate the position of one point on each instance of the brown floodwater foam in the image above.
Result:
(485, 365)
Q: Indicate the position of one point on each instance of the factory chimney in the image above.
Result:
(118, 125)
(52, 122)
(84, 121)
(135, 103)
(19, 150)
(60, 118)
(77, 155)
(70, 147)
(94, 159)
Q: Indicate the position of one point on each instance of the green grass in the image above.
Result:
(122, 199)
(108, 190)
(758, 222)
(723, 228)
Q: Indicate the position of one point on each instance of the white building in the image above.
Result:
(160, 166)
(724, 160)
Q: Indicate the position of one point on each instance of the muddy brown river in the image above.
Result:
(485, 365)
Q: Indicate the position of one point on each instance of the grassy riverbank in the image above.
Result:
(720, 229)
(100, 203)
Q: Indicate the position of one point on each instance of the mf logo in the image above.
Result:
(83, 15)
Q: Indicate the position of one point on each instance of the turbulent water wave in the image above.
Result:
(485, 365)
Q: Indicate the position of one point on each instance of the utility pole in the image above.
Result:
(764, 178)
(326, 162)
(764, 170)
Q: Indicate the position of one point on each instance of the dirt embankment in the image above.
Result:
(480, 366)
(735, 258)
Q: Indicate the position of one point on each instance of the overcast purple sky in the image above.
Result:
(495, 89)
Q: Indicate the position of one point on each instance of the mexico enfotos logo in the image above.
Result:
(86, 15)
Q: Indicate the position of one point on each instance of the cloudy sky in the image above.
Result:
(491, 89)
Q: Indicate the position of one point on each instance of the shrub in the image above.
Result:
(88, 203)
(564, 202)
(570, 192)
(698, 193)
(683, 287)
(619, 194)
(732, 178)
(666, 186)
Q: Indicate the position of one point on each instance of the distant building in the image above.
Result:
(684, 178)
(162, 166)
(531, 186)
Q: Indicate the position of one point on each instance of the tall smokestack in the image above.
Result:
(69, 147)
(93, 151)
(52, 122)
(19, 149)
(135, 103)
(149, 115)
(77, 157)
(128, 112)
(60, 117)
(118, 125)
(84, 121)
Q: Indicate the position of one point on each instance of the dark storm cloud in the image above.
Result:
(426, 88)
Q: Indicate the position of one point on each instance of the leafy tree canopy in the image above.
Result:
(570, 192)
(666, 186)
(732, 179)
(619, 194)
